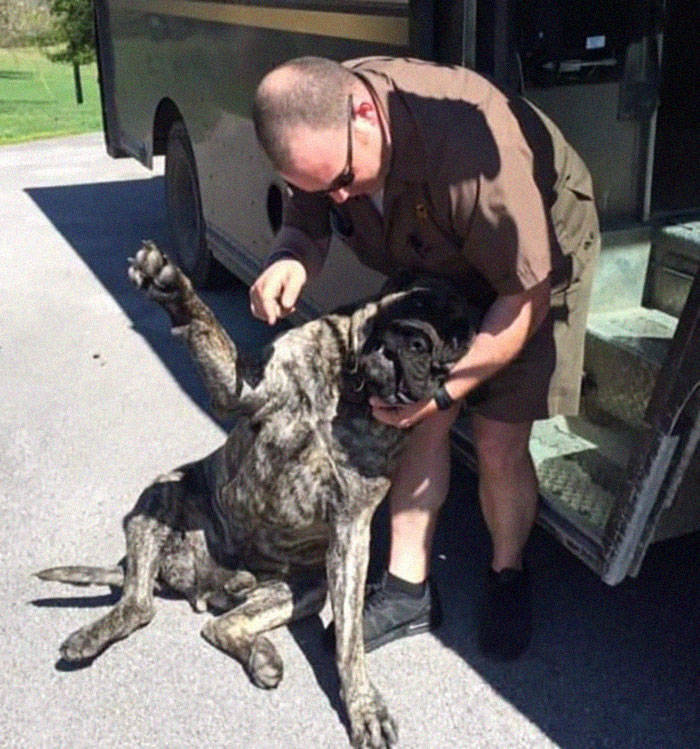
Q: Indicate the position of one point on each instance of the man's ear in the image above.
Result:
(366, 111)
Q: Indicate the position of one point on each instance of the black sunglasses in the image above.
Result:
(347, 176)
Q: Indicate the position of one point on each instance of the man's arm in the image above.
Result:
(507, 326)
(295, 259)
(274, 294)
(297, 255)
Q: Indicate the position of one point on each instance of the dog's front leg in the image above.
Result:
(226, 376)
(370, 722)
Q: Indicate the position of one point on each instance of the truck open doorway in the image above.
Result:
(676, 180)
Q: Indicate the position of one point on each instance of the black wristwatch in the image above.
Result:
(443, 399)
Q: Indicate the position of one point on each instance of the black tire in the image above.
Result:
(184, 212)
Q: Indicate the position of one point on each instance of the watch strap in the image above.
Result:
(443, 399)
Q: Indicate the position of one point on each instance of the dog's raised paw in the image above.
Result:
(152, 271)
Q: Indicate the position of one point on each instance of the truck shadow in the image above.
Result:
(612, 667)
(105, 224)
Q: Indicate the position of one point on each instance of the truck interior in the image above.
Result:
(615, 78)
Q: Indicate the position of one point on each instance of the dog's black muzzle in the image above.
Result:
(398, 363)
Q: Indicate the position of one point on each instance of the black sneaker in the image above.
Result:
(389, 613)
(505, 618)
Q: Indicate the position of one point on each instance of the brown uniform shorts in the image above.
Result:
(545, 379)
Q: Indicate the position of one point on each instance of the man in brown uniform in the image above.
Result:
(425, 167)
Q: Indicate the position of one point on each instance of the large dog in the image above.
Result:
(262, 527)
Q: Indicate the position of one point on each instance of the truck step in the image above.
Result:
(624, 352)
(675, 258)
(581, 468)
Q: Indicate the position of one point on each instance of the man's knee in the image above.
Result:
(501, 447)
(433, 431)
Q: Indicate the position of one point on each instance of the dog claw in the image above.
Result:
(135, 275)
(141, 255)
(372, 726)
(240, 583)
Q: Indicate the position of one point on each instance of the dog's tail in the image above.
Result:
(76, 575)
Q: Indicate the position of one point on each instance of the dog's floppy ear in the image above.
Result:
(398, 282)
(361, 326)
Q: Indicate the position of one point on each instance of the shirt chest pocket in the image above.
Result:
(415, 237)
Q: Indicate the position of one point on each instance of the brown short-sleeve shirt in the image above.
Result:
(479, 186)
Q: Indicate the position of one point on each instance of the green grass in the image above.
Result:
(37, 97)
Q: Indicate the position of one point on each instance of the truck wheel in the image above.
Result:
(184, 212)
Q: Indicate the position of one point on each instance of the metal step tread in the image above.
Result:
(643, 332)
(581, 469)
(680, 238)
(675, 259)
(624, 353)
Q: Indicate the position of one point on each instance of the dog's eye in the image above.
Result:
(418, 346)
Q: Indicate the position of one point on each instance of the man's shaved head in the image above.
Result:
(309, 91)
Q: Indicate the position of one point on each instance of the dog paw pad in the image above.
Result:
(152, 271)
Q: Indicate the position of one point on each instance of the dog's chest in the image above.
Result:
(363, 444)
(273, 505)
(277, 475)
(283, 480)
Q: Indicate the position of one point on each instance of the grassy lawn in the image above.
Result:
(37, 97)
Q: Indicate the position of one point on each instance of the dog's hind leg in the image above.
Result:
(270, 605)
(147, 530)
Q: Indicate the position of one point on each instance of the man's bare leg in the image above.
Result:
(508, 495)
(405, 603)
(419, 488)
(507, 487)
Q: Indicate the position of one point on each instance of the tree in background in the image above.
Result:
(23, 22)
(73, 27)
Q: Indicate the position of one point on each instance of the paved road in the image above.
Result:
(96, 399)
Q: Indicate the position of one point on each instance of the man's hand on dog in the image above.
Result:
(403, 416)
(274, 294)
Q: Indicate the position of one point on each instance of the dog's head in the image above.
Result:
(405, 343)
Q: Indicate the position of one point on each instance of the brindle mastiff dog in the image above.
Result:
(249, 529)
